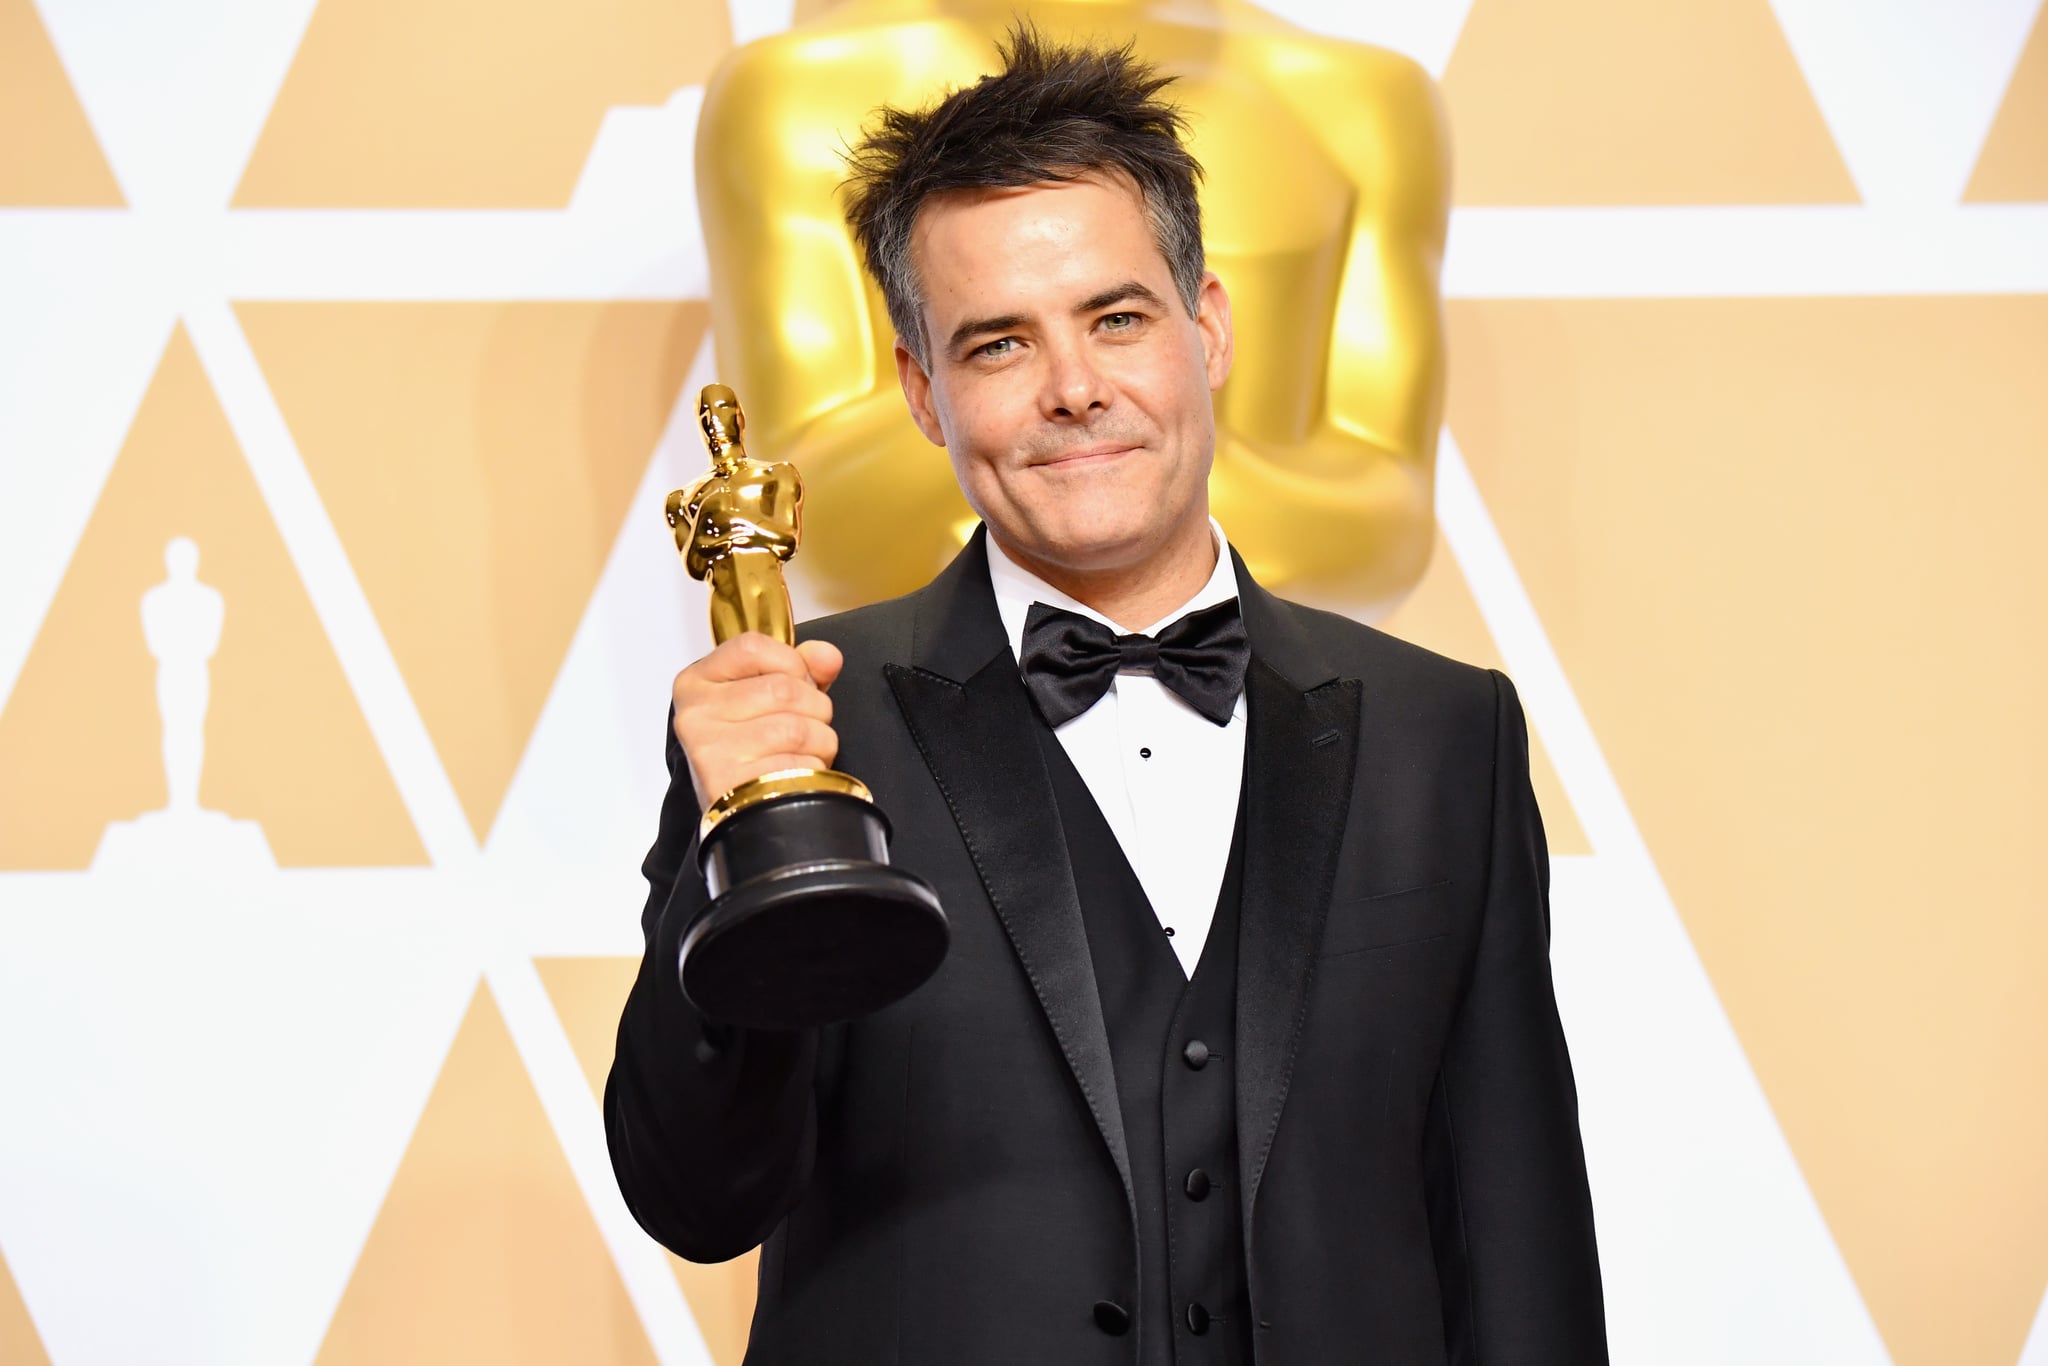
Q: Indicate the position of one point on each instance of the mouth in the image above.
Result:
(1100, 453)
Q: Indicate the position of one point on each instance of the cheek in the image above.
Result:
(971, 412)
(985, 420)
(1177, 404)
(978, 438)
(1171, 382)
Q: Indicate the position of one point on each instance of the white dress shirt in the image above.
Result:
(1165, 776)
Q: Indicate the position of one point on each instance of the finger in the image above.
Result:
(776, 763)
(786, 734)
(749, 655)
(765, 695)
(823, 659)
(723, 745)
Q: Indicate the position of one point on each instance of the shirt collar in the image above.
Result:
(1016, 588)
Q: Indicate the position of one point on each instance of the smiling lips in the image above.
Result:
(1101, 450)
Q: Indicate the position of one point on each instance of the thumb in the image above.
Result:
(823, 659)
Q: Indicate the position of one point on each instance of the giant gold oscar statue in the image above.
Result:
(1325, 205)
(807, 921)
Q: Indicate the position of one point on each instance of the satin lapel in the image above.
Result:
(1298, 775)
(979, 741)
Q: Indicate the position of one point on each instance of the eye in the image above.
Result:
(1120, 322)
(1001, 346)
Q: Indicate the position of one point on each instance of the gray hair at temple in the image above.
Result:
(1054, 112)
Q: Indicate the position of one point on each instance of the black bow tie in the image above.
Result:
(1070, 661)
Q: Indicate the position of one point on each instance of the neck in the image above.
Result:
(1134, 596)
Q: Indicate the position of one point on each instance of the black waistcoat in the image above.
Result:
(1170, 1041)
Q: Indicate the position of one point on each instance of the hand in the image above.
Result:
(755, 705)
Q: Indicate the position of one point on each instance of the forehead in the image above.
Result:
(974, 248)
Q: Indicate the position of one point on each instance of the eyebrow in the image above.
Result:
(974, 327)
(1123, 291)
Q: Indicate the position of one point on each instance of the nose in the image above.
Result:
(1075, 390)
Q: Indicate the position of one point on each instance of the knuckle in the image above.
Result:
(795, 734)
(742, 654)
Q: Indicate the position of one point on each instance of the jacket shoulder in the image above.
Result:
(1393, 668)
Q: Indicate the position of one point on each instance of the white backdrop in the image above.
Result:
(208, 1079)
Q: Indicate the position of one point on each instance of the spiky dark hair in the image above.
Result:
(1054, 112)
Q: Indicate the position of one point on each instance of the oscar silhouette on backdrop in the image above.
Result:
(181, 621)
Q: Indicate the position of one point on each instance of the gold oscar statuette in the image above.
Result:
(807, 923)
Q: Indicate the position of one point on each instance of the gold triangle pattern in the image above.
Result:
(2013, 165)
(484, 1249)
(1603, 102)
(48, 154)
(466, 104)
(1815, 691)
(20, 1345)
(478, 460)
(81, 740)
(588, 994)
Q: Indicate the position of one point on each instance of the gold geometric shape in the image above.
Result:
(484, 1249)
(588, 994)
(48, 155)
(19, 1343)
(1604, 102)
(467, 103)
(1441, 614)
(1788, 551)
(2013, 166)
(477, 460)
(285, 743)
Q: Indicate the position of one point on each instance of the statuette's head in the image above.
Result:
(181, 557)
(718, 413)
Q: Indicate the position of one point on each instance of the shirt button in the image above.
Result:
(1196, 1054)
(1111, 1318)
(1198, 1184)
(1198, 1320)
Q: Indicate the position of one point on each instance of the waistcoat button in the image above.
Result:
(1198, 1184)
(1111, 1318)
(1196, 1054)
(1198, 1320)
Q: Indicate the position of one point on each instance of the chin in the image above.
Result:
(1093, 544)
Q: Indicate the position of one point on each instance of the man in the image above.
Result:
(1245, 1048)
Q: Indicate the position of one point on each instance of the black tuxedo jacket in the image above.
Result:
(947, 1182)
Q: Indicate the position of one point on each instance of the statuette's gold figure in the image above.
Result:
(737, 524)
(1325, 205)
(807, 921)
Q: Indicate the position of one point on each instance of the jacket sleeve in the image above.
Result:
(712, 1129)
(1510, 1214)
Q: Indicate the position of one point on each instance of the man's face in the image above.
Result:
(1065, 378)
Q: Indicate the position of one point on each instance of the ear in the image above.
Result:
(1212, 320)
(917, 392)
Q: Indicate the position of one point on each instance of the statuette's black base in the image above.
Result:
(808, 923)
